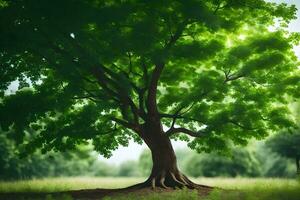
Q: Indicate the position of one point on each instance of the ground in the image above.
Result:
(85, 188)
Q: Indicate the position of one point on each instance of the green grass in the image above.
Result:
(64, 184)
(248, 183)
(242, 188)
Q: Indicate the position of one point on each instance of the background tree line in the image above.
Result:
(256, 160)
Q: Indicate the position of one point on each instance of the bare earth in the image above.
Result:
(93, 194)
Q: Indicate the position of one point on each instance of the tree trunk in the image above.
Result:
(165, 172)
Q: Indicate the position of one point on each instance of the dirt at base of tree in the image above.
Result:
(94, 194)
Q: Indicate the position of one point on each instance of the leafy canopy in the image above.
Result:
(86, 69)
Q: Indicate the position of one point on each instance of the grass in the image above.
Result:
(248, 183)
(248, 189)
(64, 184)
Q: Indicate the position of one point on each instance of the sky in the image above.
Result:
(133, 151)
(295, 24)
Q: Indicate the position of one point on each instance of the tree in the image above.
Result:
(241, 163)
(145, 163)
(212, 72)
(287, 145)
(271, 164)
(129, 168)
(70, 163)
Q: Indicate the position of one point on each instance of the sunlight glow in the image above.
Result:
(242, 37)
(72, 35)
(229, 42)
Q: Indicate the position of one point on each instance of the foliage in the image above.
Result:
(256, 160)
(129, 168)
(82, 161)
(272, 164)
(101, 169)
(286, 144)
(98, 70)
(241, 163)
(259, 161)
(145, 163)
(37, 165)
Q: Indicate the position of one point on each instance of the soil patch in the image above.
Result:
(95, 194)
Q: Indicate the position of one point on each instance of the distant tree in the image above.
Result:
(287, 145)
(72, 163)
(108, 71)
(145, 163)
(102, 169)
(256, 160)
(129, 168)
(9, 165)
(278, 167)
(240, 163)
(271, 163)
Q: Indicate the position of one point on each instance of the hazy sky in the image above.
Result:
(295, 24)
(133, 151)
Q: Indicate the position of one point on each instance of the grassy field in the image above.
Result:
(64, 184)
(252, 189)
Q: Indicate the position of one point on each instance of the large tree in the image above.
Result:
(211, 73)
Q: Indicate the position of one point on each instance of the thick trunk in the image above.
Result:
(165, 172)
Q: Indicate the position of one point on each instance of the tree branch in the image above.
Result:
(125, 124)
(151, 100)
(145, 72)
(232, 77)
(134, 86)
(219, 6)
(176, 115)
(142, 111)
(159, 66)
(112, 88)
(124, 98)
(179, 117)
(241, 126)
(130, 62)
(185, 131)
(103, 80)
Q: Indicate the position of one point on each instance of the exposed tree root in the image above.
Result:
(168, 180)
